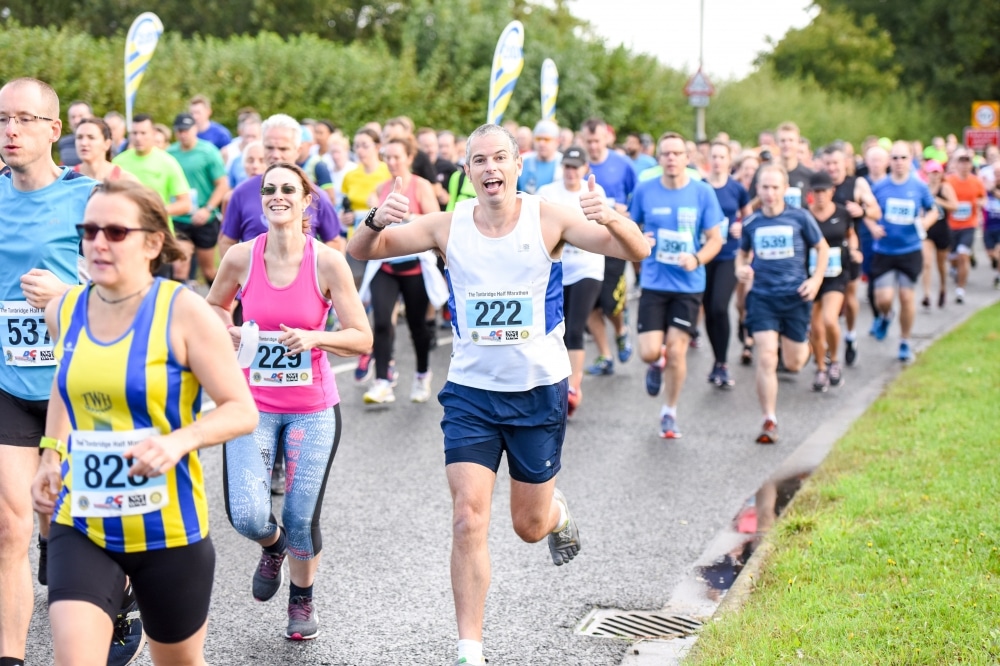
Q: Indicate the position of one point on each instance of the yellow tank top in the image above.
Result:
(116, 392)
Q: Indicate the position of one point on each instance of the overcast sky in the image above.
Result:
(735, 30)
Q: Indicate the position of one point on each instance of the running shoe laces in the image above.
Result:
(303, 623)
(127, 637)
(268, 577)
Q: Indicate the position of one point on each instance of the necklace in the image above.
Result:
(114, 301)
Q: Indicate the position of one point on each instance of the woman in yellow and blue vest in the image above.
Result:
(126, 491)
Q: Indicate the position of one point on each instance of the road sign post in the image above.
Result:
(698, 90)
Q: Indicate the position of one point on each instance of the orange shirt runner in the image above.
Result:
(969, 191)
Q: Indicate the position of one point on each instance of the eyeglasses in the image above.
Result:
(900, 157)
(23, 119)
(115, 233)
(269, 190)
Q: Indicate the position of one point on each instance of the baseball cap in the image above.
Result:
(820, 180)
(574, 157)
(183, 121)
(546, 128)
(930, 166)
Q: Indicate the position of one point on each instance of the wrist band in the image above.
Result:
(52, 443)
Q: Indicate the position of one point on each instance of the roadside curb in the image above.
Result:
(810, 454)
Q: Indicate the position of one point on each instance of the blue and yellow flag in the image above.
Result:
(139, 46)
(508, 60)
(550, 89)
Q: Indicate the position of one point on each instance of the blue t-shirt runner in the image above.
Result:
(676, 219)
(903, 205)
(780, 246)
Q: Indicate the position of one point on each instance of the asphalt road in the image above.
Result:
(646, 509)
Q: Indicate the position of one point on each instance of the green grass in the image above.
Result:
(890, 553)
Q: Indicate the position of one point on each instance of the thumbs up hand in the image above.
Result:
(396, 207)
(593, 205)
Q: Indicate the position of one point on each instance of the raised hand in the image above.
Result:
(593, 205)
(396, 207)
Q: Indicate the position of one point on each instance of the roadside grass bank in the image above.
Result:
(890, 552)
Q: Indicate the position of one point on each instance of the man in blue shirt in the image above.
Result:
(675, 212)
(40, 206)
(779, 304)
(907, 212)
(616, 175)
(208, 129)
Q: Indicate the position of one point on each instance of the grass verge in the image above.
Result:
(890, 553)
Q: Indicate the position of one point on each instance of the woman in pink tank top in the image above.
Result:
(289, 282)
(401, 276)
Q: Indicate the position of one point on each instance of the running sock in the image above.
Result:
(563, 518)
(296, 591)
(771, 417)
(471, 651)
(959, 291)
(278, 546)
(850, 336)
(14, 661)
(668, 411)
(904, 341)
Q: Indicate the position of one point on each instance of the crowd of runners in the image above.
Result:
(144, 273)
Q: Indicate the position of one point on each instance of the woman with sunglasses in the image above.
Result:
(127, 491)
(386, 280)
(93, 147)
(289, 282)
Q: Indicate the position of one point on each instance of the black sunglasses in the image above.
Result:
(268, 190)
(113, 232)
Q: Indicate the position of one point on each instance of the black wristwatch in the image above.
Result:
(370, 221)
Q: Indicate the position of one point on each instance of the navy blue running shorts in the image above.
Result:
(530, 426)
(787, 314)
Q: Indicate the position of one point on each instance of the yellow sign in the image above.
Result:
(986, 114)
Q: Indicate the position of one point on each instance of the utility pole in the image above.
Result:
(698, 88)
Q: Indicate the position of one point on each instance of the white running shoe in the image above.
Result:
(421, 391)
(380, 393)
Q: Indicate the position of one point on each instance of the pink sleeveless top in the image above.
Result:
(277, 385)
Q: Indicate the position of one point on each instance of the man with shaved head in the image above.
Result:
(40, 206)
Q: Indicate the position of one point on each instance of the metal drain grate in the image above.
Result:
(613, 623)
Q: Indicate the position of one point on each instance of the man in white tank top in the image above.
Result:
(502, 251)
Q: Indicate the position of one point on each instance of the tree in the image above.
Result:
(947, 50)
(839, 54)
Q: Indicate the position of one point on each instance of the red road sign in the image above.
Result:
(977, 139)
(699, 86)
